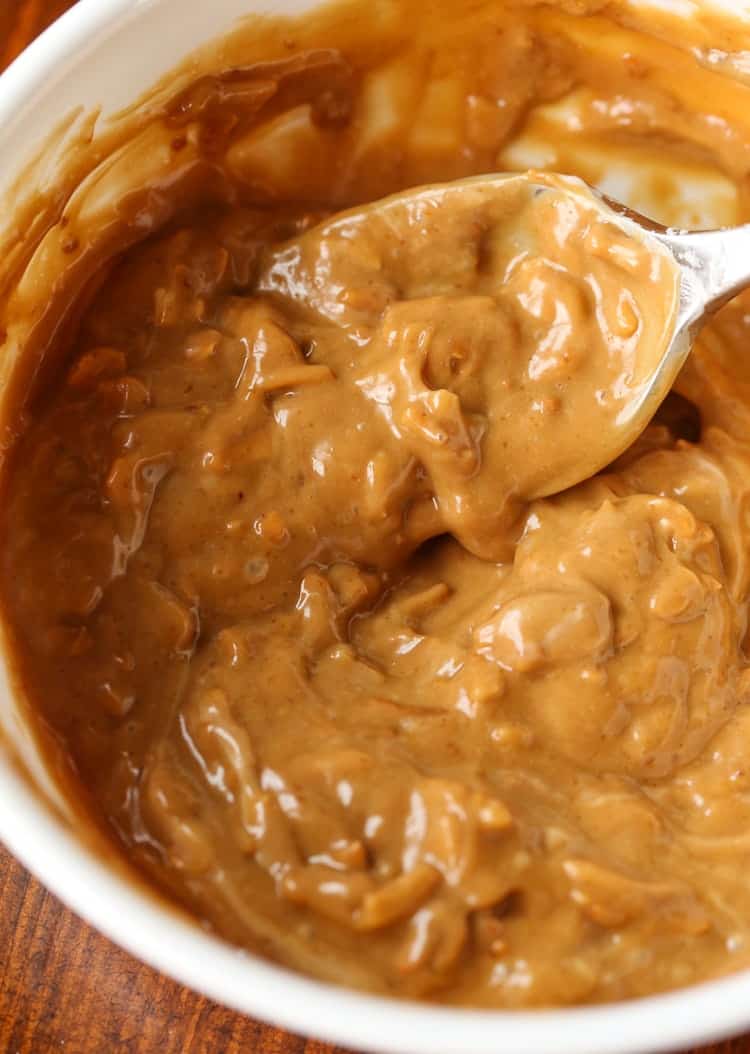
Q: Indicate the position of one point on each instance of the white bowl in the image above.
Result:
(108, 52)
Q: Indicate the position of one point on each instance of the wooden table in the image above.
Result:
(63, 987)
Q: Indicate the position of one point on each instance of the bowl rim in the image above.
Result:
(139, 923)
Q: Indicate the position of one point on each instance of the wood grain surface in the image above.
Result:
(63, 987)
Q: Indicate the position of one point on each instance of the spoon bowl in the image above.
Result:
(569, 316)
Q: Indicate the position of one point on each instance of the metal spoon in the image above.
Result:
(422, 232)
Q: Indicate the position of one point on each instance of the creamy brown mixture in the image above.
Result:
(274, 559)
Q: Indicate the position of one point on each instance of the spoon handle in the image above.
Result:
(715, 266)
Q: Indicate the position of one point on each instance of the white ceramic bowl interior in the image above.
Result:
(107, 52)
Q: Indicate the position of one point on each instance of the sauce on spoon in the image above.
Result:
(505, 328)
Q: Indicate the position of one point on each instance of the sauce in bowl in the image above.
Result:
(275, 559)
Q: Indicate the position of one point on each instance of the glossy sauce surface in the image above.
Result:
(272, 558)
